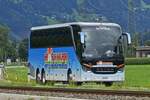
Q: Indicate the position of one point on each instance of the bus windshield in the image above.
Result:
(101, 41)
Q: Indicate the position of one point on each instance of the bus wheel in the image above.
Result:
(43, 78)
(69, 76)
(38, 77)
(79, 83)
(108, 84)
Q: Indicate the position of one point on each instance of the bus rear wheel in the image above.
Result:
(43, 78)
(69, 77)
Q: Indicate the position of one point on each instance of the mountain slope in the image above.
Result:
(21, 15)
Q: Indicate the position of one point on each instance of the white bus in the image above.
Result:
(78, 51)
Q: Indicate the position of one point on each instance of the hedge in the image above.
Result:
(137, 61)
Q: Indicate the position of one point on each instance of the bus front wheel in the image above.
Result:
(69, 76)
(108, 84)
(79, 83)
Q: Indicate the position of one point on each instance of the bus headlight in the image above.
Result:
(120, 66)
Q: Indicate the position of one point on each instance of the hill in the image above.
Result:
(21, 15)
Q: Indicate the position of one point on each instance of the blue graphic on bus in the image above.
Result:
(55, 60)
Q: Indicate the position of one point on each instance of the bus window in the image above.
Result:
(60, 37)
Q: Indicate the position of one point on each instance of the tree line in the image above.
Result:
(11, 49)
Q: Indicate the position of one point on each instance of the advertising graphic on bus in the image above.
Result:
(55, 59)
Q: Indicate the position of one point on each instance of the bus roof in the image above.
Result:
(73, 23)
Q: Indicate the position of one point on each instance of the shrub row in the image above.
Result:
(137, 61)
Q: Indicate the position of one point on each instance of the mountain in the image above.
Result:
(21, 15)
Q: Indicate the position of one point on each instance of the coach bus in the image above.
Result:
(78, 52)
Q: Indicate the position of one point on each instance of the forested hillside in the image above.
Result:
(21, 15)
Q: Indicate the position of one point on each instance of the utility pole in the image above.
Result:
(132, 25)
(131, 17)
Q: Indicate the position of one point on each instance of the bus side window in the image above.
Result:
(56, 37)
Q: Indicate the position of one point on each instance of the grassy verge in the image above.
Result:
(16, 76)
(137, 78)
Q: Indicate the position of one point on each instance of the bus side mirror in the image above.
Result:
(82, 37)
(127, 36)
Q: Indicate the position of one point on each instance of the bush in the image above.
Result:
(137, 61)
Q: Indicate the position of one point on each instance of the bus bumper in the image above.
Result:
(89, 76)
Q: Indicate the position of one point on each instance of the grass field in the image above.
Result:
(136, 77)
(16, 74)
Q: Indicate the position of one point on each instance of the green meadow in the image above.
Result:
(137, 77)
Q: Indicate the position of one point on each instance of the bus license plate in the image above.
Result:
(104, 77)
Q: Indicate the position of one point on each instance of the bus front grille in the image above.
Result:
(104, 70)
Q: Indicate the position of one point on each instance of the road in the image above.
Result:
(4, 96)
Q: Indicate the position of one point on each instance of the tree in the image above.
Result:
(78, 16)
(23, 49)
(145, 37)
(4, 42)
(7, 48)
(12, 51)
(147, 43)
(134, 45)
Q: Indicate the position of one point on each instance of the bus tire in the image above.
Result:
(38, 77)
(79, 83)
(43, 78)
(69, 77)
(108, 84)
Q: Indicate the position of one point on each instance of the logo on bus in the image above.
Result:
(51, 57)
